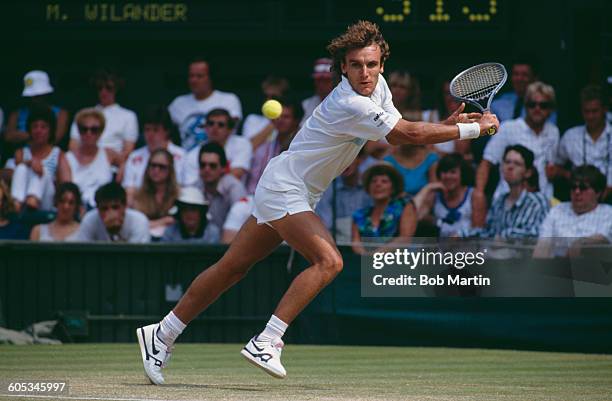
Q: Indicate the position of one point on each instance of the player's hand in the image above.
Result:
(459, 117)
(487, 123)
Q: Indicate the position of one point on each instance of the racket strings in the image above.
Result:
(478, 83)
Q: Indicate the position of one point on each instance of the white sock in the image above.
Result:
(275, 328)
(170, 328)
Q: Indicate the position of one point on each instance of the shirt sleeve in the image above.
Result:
(174, 111)
(554, 148)
(368, 120)
(494, 151)
(191, 169)
(128, 175)
(242, 154)
(238, 215)
(250, 127)
(234, 107)
(236, 191)
(74, 131)
(562, 156)
(88, 226)
(139, 233)
(130, 132)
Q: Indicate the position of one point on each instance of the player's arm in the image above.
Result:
(457, 126)
(422, 133)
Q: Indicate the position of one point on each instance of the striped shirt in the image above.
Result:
(521, 220)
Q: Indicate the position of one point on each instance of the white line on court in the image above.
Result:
(59, 397)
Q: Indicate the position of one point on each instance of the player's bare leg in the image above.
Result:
(306, 234)
(252, 243)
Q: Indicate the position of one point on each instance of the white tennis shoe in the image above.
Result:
(155, 354)
(265, 354)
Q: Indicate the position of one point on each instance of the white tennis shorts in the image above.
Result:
(273, 205)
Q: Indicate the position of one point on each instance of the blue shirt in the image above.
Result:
(24, 113)
(414, 178)
(389, 225)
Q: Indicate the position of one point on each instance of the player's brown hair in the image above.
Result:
(357, 36)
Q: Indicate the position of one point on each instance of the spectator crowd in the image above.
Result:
(193, 178)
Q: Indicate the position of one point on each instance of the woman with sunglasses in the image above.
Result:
(158, 192)
(582, 222)
(89, 163)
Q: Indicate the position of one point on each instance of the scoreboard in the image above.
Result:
(249, 20)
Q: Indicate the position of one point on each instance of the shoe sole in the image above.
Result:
(265, 368)
(143, 354)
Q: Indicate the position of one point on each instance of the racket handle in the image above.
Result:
(491, 131)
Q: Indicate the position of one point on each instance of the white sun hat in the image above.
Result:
(36, 83)
(192, 196)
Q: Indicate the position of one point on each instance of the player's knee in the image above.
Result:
(331, 265)
(237, 269)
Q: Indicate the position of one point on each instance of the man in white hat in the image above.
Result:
(322, 78)
(36, 90)
(192, 224)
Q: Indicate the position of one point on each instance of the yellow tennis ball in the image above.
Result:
(272, 109)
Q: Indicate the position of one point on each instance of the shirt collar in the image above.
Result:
(527, 128)
(521, 199)
(110, 107)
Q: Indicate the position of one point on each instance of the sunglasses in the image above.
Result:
(582, 186)
(542, 105)
(159, 166)
(213, 166)
(219, 124)
(94, 129)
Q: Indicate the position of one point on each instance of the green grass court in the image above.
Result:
(218, 372)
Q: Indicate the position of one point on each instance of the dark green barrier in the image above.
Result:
(122, 286)
(341, 315)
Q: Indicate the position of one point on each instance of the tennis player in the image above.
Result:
(359, 109)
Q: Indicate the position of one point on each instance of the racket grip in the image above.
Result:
(491, 131)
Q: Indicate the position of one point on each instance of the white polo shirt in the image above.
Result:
(578, 148)
(331, 139)
(121, 125)
(189, 114)
(253, 124)
(238, 151)
(137, 161)
(563, 222)
(543, 145)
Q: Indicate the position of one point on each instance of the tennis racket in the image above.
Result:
(477, 85)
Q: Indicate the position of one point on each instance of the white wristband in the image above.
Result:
(468, 131)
